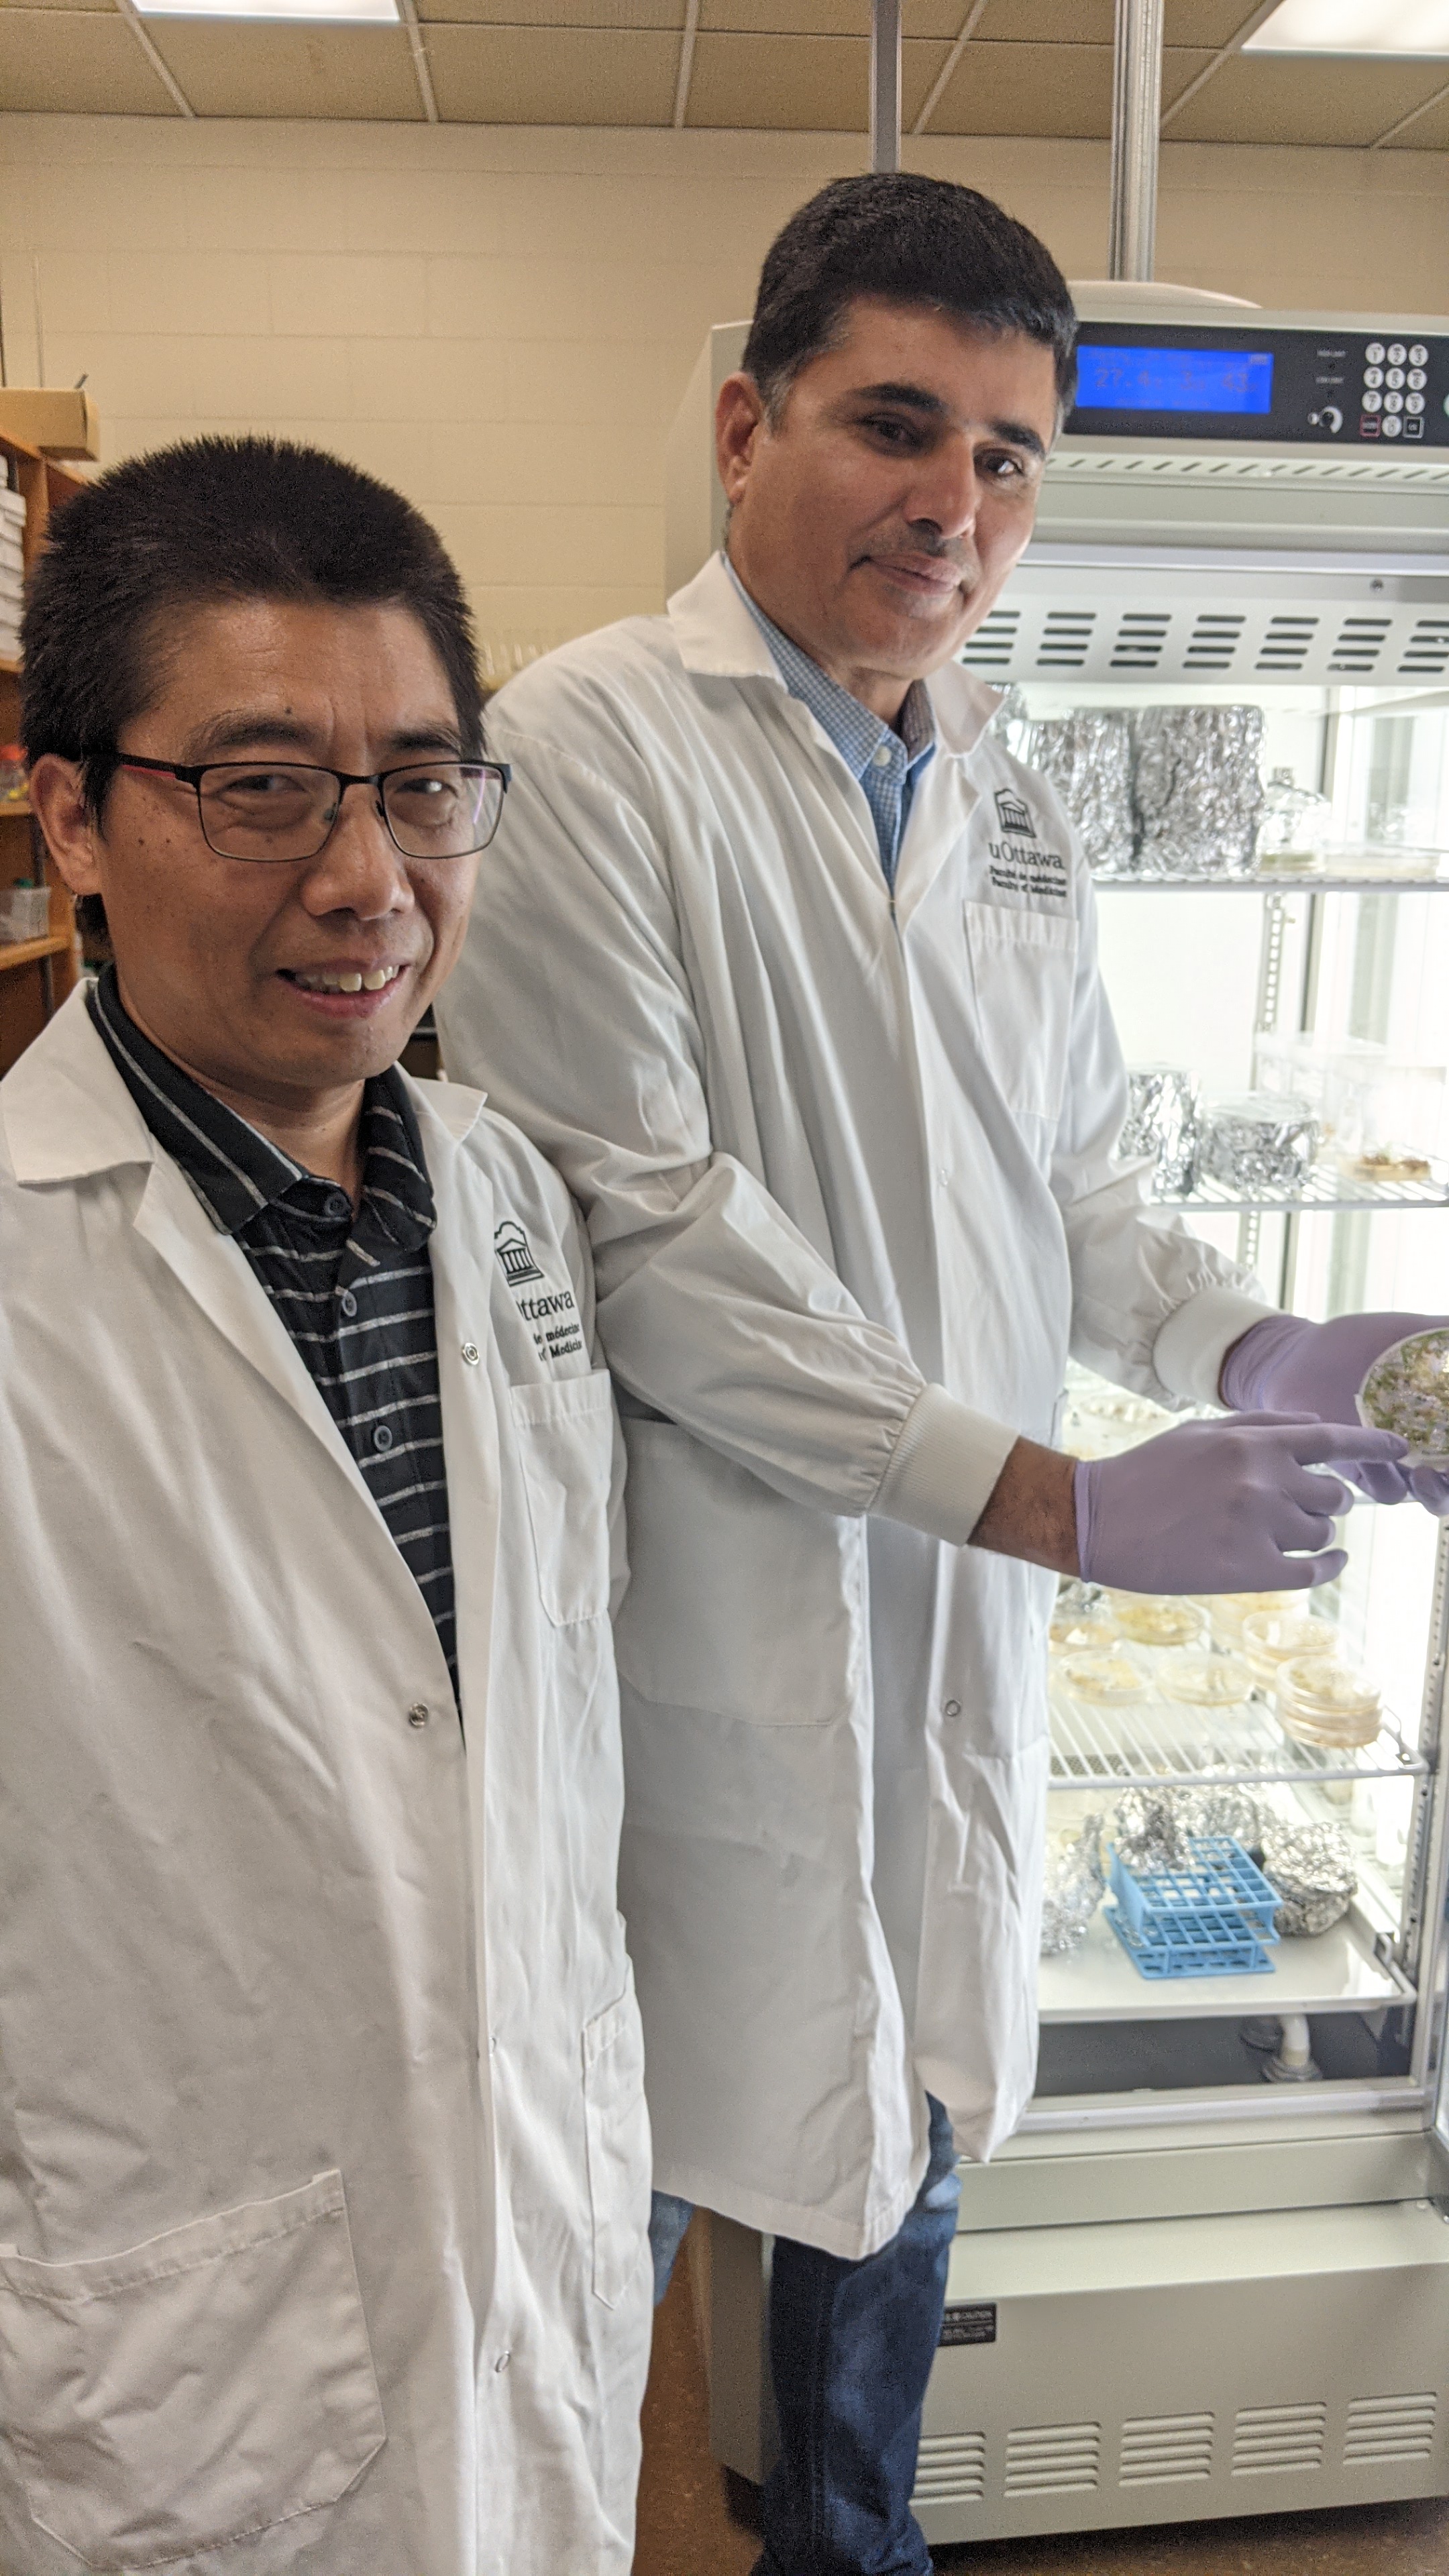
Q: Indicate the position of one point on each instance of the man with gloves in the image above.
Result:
(792, 970)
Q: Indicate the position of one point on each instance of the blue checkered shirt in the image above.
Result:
(884, 764)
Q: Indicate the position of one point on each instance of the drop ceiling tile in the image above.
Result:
(935, 18)
(571, 76)
(81, 62)
(1206, 22)
(1092, 22)
(105, 6)
(785, 17)
(1285, 98)
(229, 68)
(1028, 89)
(1428, 133)
(1181, 65)
(552, 13)
(808, 84)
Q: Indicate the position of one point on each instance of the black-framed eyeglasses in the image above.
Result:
(270, 811)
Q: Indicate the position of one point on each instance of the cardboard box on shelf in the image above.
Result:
(60, 422)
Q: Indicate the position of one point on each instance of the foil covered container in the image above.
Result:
(1073, 1891)
(1197, 792)
(1162, 1121)
(1149, 1830)
(1261, 1141)
(1221, 1807)
(1088, 758)
(1311, 1867)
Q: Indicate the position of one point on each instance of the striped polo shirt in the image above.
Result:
(354, 1291)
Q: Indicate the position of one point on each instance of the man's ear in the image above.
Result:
(739, 417)
(57, 800)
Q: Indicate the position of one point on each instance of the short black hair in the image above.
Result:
(910, 240)
(208, 520)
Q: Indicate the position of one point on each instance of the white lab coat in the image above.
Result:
(832, 1150)
(323, 2158)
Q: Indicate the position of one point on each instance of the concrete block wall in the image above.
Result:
(501, 319)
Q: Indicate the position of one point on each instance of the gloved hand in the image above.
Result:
(1217, 1506)
(1285, 1365)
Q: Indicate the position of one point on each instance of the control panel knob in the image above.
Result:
(1330, 418)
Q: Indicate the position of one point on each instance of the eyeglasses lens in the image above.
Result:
(439, 810)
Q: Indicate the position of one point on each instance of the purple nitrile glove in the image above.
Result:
(1286, 1365)
(1238, 1506)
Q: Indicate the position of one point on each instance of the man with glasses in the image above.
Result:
(323, 2158)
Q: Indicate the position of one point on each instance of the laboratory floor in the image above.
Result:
(695, 2520)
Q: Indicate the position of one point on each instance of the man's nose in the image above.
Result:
(946, 490)
(361, 868)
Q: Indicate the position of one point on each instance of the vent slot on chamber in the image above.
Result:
(1274, 2438)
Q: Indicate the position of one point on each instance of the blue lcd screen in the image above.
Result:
(1162, 379)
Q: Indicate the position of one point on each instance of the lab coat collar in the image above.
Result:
(717, 636)
(67, 1114)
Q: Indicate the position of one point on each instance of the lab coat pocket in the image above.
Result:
(740, 1602)
(199, 2389)
(565, 1435)
(1023, 970)
(616, 2134)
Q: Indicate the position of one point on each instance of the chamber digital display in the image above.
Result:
(1164, 379)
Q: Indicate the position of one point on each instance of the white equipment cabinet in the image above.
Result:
(1184, 2290)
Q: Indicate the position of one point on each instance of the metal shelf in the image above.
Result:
(1280, 882)
(1338, 1972)
(1153, 1743)
(1324, 1189)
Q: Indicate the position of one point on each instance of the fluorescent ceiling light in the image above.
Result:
(1354, 27)
(328, 12)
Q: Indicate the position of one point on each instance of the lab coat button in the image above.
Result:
(503, 2360)
(418, 1713)
(471, 1354)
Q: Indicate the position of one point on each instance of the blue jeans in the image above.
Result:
(851, 2348)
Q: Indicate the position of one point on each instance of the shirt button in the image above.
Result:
(943, 1175)
(503, 2360)
(881, 756)
(347, 1302)
(338, 1206)
(470, 1353)
(418, 1713)
(382, 1437)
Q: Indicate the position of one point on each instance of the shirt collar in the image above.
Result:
(856, 731)
(236, 1172)
(717, 635)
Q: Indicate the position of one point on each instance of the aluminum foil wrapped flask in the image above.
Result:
(1197, 790)
(1088, 758)
(1162, 1120)
(1261, 1141)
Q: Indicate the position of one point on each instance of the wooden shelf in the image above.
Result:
(14, 812)
(28, 952)
(9, 670)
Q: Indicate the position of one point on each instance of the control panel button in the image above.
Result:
(1413, 429)
(1375, 353)
(1397, 353)
(1369, 427)
(1418, 379)
(1373, 375)
(1418, 355)
(1393, 402)
(1393, 428)
(1395, 377)
(1414, 403)
(1373, 401)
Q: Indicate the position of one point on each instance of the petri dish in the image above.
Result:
(1226, 1611)
(1156, 1618)
(1407, 1390)
(1205, 1681)
(1326, 1703)
(1105, 1677)
(1274, 1637)
(1073, 1631)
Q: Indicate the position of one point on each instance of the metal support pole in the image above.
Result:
(885, 84)
(1136, 116)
